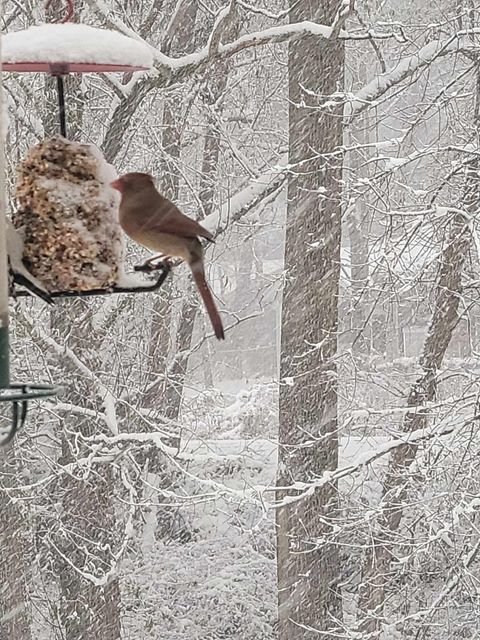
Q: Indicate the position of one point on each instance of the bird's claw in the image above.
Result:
(149, 266)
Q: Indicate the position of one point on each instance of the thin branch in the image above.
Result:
(221, 25)
(405, 68)
(303, 490)
(372, 41)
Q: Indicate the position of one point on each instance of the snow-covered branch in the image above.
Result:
(243, 202)
(108, 401)
(406, 67)
(302, 490)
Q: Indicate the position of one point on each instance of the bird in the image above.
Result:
(151, 220)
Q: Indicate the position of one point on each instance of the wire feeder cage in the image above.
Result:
(58, 65)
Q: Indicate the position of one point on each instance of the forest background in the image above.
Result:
(315, 475)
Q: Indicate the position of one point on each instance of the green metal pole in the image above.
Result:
(4, 357)
(4, 347)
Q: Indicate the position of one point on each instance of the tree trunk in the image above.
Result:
(87, 522)
(14, 615)
(165, 393)
(358, 226)
(308, 571)
(377, 567)
(173, 387)
(165, 384)
(87, 611)
(377, 571)
(87, 533)
(359, 282)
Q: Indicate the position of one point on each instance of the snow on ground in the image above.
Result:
(204, 590)
(220, 580)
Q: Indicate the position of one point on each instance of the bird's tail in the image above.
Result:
(199, 277)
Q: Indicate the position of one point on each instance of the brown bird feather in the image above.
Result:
(156, 223)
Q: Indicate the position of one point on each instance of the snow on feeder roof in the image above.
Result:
(73, 48)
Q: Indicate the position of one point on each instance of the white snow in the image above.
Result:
(74, 43)
(404, 68)
(392, 164)
(248, 195)
(106, 172)
(63, 191)
(130, 280)
(271, 35)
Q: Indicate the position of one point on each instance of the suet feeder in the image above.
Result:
(58, 50)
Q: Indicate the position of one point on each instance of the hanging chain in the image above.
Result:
(70, 10)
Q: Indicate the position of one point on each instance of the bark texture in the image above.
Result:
(14, 532)
(378, 573)
(308, 572)
(84, 537)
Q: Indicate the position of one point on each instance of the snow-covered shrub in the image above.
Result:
(204, 590)
(251, 413)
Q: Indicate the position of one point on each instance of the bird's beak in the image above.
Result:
(117, 184)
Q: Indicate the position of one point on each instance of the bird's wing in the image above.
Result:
(175, 222)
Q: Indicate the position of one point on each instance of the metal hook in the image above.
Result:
(19, 415)
(70, 9)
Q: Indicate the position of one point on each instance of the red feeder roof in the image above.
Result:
(62, 68)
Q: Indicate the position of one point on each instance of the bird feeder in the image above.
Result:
(58, 50)
(11, 394)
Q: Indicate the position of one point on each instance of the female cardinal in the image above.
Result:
(156, 223)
